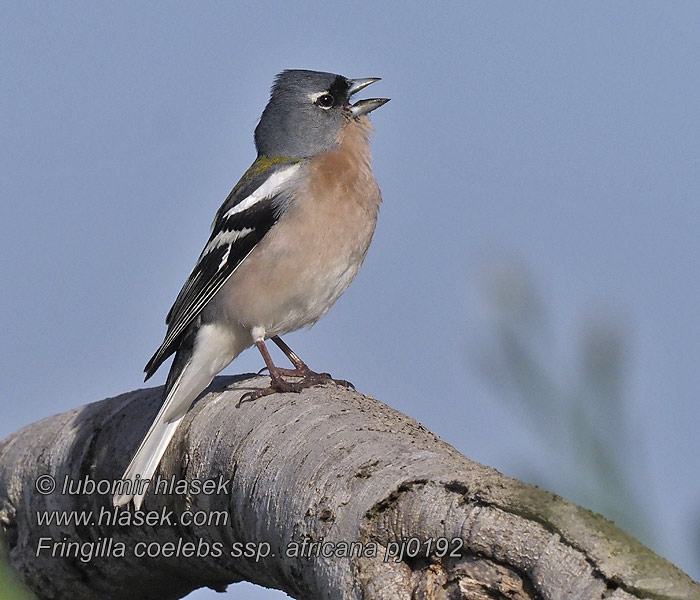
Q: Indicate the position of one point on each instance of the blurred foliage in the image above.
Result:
(574, 401)
(10, 587)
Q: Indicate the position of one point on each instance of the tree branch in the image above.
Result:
(326, 466)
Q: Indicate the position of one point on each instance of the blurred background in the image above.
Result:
(531, 294)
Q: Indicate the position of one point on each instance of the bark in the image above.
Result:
(326, 466)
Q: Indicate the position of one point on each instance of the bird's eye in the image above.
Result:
(325, 101)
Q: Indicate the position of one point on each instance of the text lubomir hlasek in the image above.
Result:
(161, 485)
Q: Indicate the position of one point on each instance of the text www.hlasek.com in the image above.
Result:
(107, 518)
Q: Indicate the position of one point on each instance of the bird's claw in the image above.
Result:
(343, 383)
(254, 395)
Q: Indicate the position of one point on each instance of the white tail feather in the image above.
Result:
(212, 352)
(145, 462)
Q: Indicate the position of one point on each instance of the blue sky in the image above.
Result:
(561, 140)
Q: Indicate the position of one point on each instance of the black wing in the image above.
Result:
(249, 212)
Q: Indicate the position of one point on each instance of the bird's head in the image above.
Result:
(306, 111)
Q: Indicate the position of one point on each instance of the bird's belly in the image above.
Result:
(298, 270)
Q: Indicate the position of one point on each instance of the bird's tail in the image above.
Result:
(193, 369)
(145, 462)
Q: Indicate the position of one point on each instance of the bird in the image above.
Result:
(284, 246)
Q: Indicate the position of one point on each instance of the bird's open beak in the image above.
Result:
(362, 107)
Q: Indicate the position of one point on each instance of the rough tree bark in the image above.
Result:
(327, 465)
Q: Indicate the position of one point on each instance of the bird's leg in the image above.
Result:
(279, 384)
(300, 367)
(302, 370)
(278, 381)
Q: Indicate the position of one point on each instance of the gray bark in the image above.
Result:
(327, 465)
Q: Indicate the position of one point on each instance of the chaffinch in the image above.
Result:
(284, 246)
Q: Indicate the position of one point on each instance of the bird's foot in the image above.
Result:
(308, 378)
